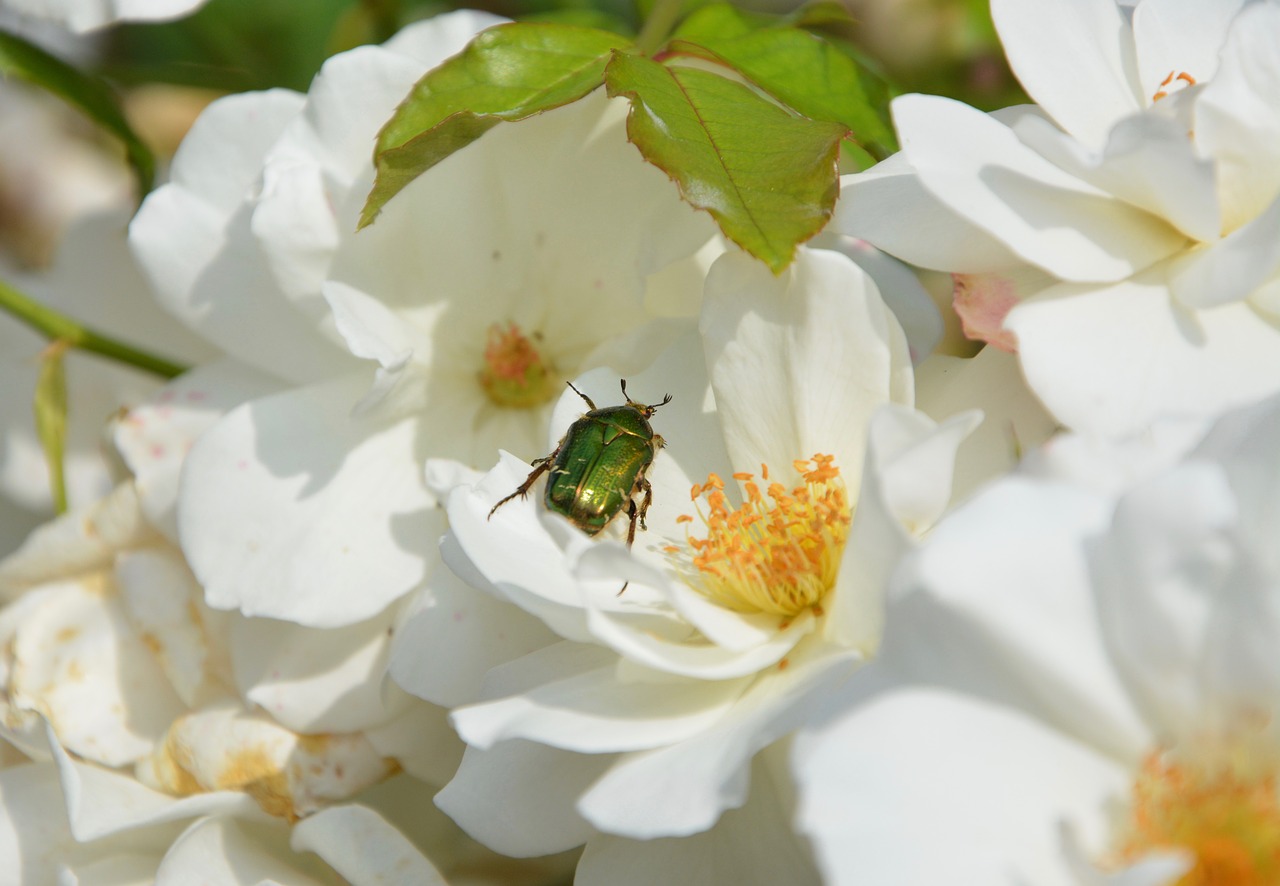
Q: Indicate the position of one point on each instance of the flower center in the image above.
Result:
(1173, 83)
(780, 550)
(1228, 817)
(515, 374)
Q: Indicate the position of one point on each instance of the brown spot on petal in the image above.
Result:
(66, 635)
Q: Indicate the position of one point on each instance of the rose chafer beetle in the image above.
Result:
(599, 466)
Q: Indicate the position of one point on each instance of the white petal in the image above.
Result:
(517, 798)
(889, 207)
(799, 361)
(314, 679)
(980, 169)
(225, 852)
(1076, 61)
(902, 292)
(81, 664)
(753, 844)
(683, 789)
(1148, 162)
(570, 696)
(639, 643)
(164, 603)
(906, 485)
(289, 502)
(453, 634)
(1237, 120)
(363, 848)
(514, 552)
(83, 540)
(421, 740)
(1159, 574)
(1177, 36)
(101, 802)
(982, 787)
(192, 237)
(1013, 419)
(1244, 444)
(34, 835)
(1108, 360)
(1230, 269)
(999, 603)
(915, 458)
(155, 437)
(307, 173)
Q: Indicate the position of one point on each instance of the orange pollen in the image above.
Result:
(1229, 821)
(1182, 77)
(515, 373)
(778, 551)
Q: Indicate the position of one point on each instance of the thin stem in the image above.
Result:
(58, 327)
(657, 27)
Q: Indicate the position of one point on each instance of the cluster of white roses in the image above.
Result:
(894, 616)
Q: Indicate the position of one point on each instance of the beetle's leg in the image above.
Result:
(631, 526)
(658, 441)
(540, 467)
(643, 485)
(583, 396)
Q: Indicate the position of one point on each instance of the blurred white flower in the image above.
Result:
(94, 280)
(642, 720)
(446, 329)
(88, 15)
(152, 709)
(1079, 679)
(1136, 207)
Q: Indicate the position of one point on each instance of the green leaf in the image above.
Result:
(800, 69)
(507, 73)
(767, 176)
(51, 418)
(18, 58)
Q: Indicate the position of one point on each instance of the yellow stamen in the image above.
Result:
(1227, 818)
(515, 374)
(779, 551)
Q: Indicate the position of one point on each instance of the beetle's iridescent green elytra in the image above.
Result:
(599, 467)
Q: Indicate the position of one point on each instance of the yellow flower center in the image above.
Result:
(1227, 817)
(1173, 83)
(515, 374)
(777, 552)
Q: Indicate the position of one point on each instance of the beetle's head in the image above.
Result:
(645, 409)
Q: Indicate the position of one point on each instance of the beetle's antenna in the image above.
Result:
(665, 400)
(584, 396)
(624, 390)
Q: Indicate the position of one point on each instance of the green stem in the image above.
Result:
(657, 27)
(58, 327)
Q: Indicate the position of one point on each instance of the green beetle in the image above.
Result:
(599, 466)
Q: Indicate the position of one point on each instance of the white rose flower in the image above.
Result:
(445, 329)
(144, 709)
(1135, 208)
(1079, 681)
(88, 15)
(643, 718)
